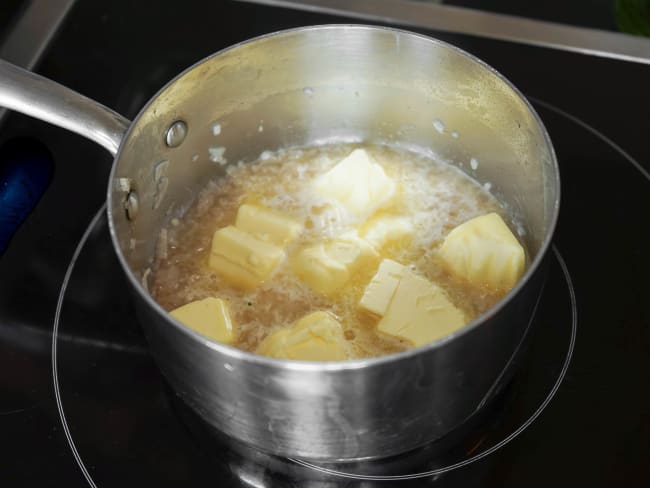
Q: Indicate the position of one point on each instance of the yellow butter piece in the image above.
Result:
(383, 230)
(315, 337)
(267, 225)
(411, 308)
(209, 317)
(358, 183)
(327, 267)
(379, 292)
(484, 252)
(420, 312)
(319, 270)
(241, 259)
(352, 251)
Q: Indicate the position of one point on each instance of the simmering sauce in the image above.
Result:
(434, 196)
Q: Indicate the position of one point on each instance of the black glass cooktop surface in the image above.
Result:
(107, 418)
(110, 389)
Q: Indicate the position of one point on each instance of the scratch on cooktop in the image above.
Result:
(102, 344)
(18, 410)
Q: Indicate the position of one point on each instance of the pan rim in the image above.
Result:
(234, 354)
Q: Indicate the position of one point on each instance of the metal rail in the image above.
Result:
(446, 18)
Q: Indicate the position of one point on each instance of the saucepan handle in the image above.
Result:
(33, 95)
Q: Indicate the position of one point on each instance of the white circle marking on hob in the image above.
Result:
(595, 132)
(99, 214)
(55, 332)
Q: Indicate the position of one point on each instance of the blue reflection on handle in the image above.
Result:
(26, 169)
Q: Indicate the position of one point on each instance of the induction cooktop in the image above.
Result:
(82, 402)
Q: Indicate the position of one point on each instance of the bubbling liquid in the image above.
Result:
(435, 196)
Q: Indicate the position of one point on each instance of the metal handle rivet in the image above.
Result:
(176, 133)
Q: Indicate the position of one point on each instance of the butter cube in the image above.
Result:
(267, 225)
(484, 252)
(327, 267)
(209, 317)
(411, 308)
(420, 312)
(352, 251)
(241, 259)
(383, 230)
(357, 183)
(379, 292)
(319, 270)
(315, 337)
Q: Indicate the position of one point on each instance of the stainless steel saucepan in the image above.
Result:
(316, 85)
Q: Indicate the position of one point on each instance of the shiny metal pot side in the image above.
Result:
(317, 85)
